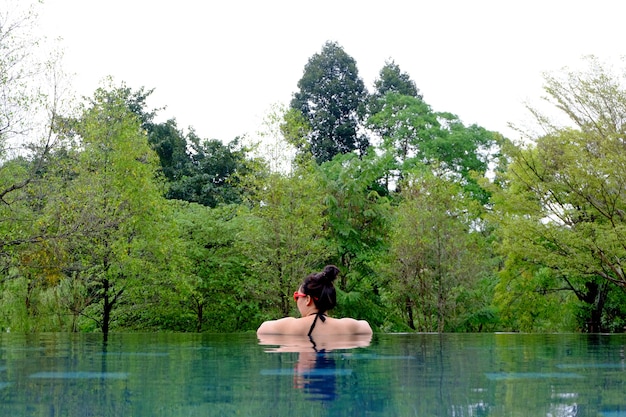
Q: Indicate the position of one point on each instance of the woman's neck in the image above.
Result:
(311, 311)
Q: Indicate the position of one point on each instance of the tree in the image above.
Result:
(31, 92)
(283, 139)
(392, 80)
(111, 211)
(529, 298)
(435, 256)
(211, 178)
(358, 210)
(416, 135)
(24, 72)
(170, 144)
(404, 123)
(217, 289)
(197, 170)
(465, 153)
(563, 202)
(283, 234)
(18, 69)
(332, 99)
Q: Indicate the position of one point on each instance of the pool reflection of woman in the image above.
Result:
(316, 371)
(314, 298)
(316, 374)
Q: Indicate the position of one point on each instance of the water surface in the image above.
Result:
(235, 375)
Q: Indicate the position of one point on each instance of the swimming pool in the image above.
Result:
(237, 375)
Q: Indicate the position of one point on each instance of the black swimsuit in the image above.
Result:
(321, 316)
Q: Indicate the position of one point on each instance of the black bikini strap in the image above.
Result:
(321, 316)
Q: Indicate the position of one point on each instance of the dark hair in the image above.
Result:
(320, 286)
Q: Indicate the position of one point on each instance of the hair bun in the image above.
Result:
(329, 274)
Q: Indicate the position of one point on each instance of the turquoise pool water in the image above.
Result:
(235, 375)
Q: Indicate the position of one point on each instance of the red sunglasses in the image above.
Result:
(299, 294)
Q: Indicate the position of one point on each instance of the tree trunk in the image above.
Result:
(199, 317)
(106, 308)
(409, 312)
(595, 297)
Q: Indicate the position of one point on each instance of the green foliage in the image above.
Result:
(15, 216)
(614, 317)
(435, 257)
(358, 209)
(296, 129)
(217, 289)
(358, 215)
(170, 145)
(136, 102)
(212, 174)
(404, 123)
(392, 80)
(128, 224)
(107, 213)
(283, 235)
(563, 205)
(197, 170)
(24, 147)
(332, 99)
(415, 135)
(530, 300)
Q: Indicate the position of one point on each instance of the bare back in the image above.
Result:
(327, 327)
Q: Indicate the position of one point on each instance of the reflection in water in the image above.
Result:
(185, 375)
(315, 375)
(315, 371)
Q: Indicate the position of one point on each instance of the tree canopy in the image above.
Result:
(391, 79)
(121, 222)
(564, 203)
(332, 98)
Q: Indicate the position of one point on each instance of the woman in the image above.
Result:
(314, 298)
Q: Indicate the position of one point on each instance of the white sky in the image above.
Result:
(218, 66)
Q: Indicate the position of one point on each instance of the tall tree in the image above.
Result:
(413, 134)
(435, 257)
(170, 144)
(391, 79)
(197, 170)
(167, 140)
(31, 90)
(405, 124)
(357, 208)
(358, 211)
(564, 202)
(332, 99)
(112, 209)
(283, 234)
(416, 135)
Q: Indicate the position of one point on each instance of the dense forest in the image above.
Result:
(112, 221)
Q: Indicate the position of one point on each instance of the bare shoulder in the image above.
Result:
(350, 325)
(281, 326)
